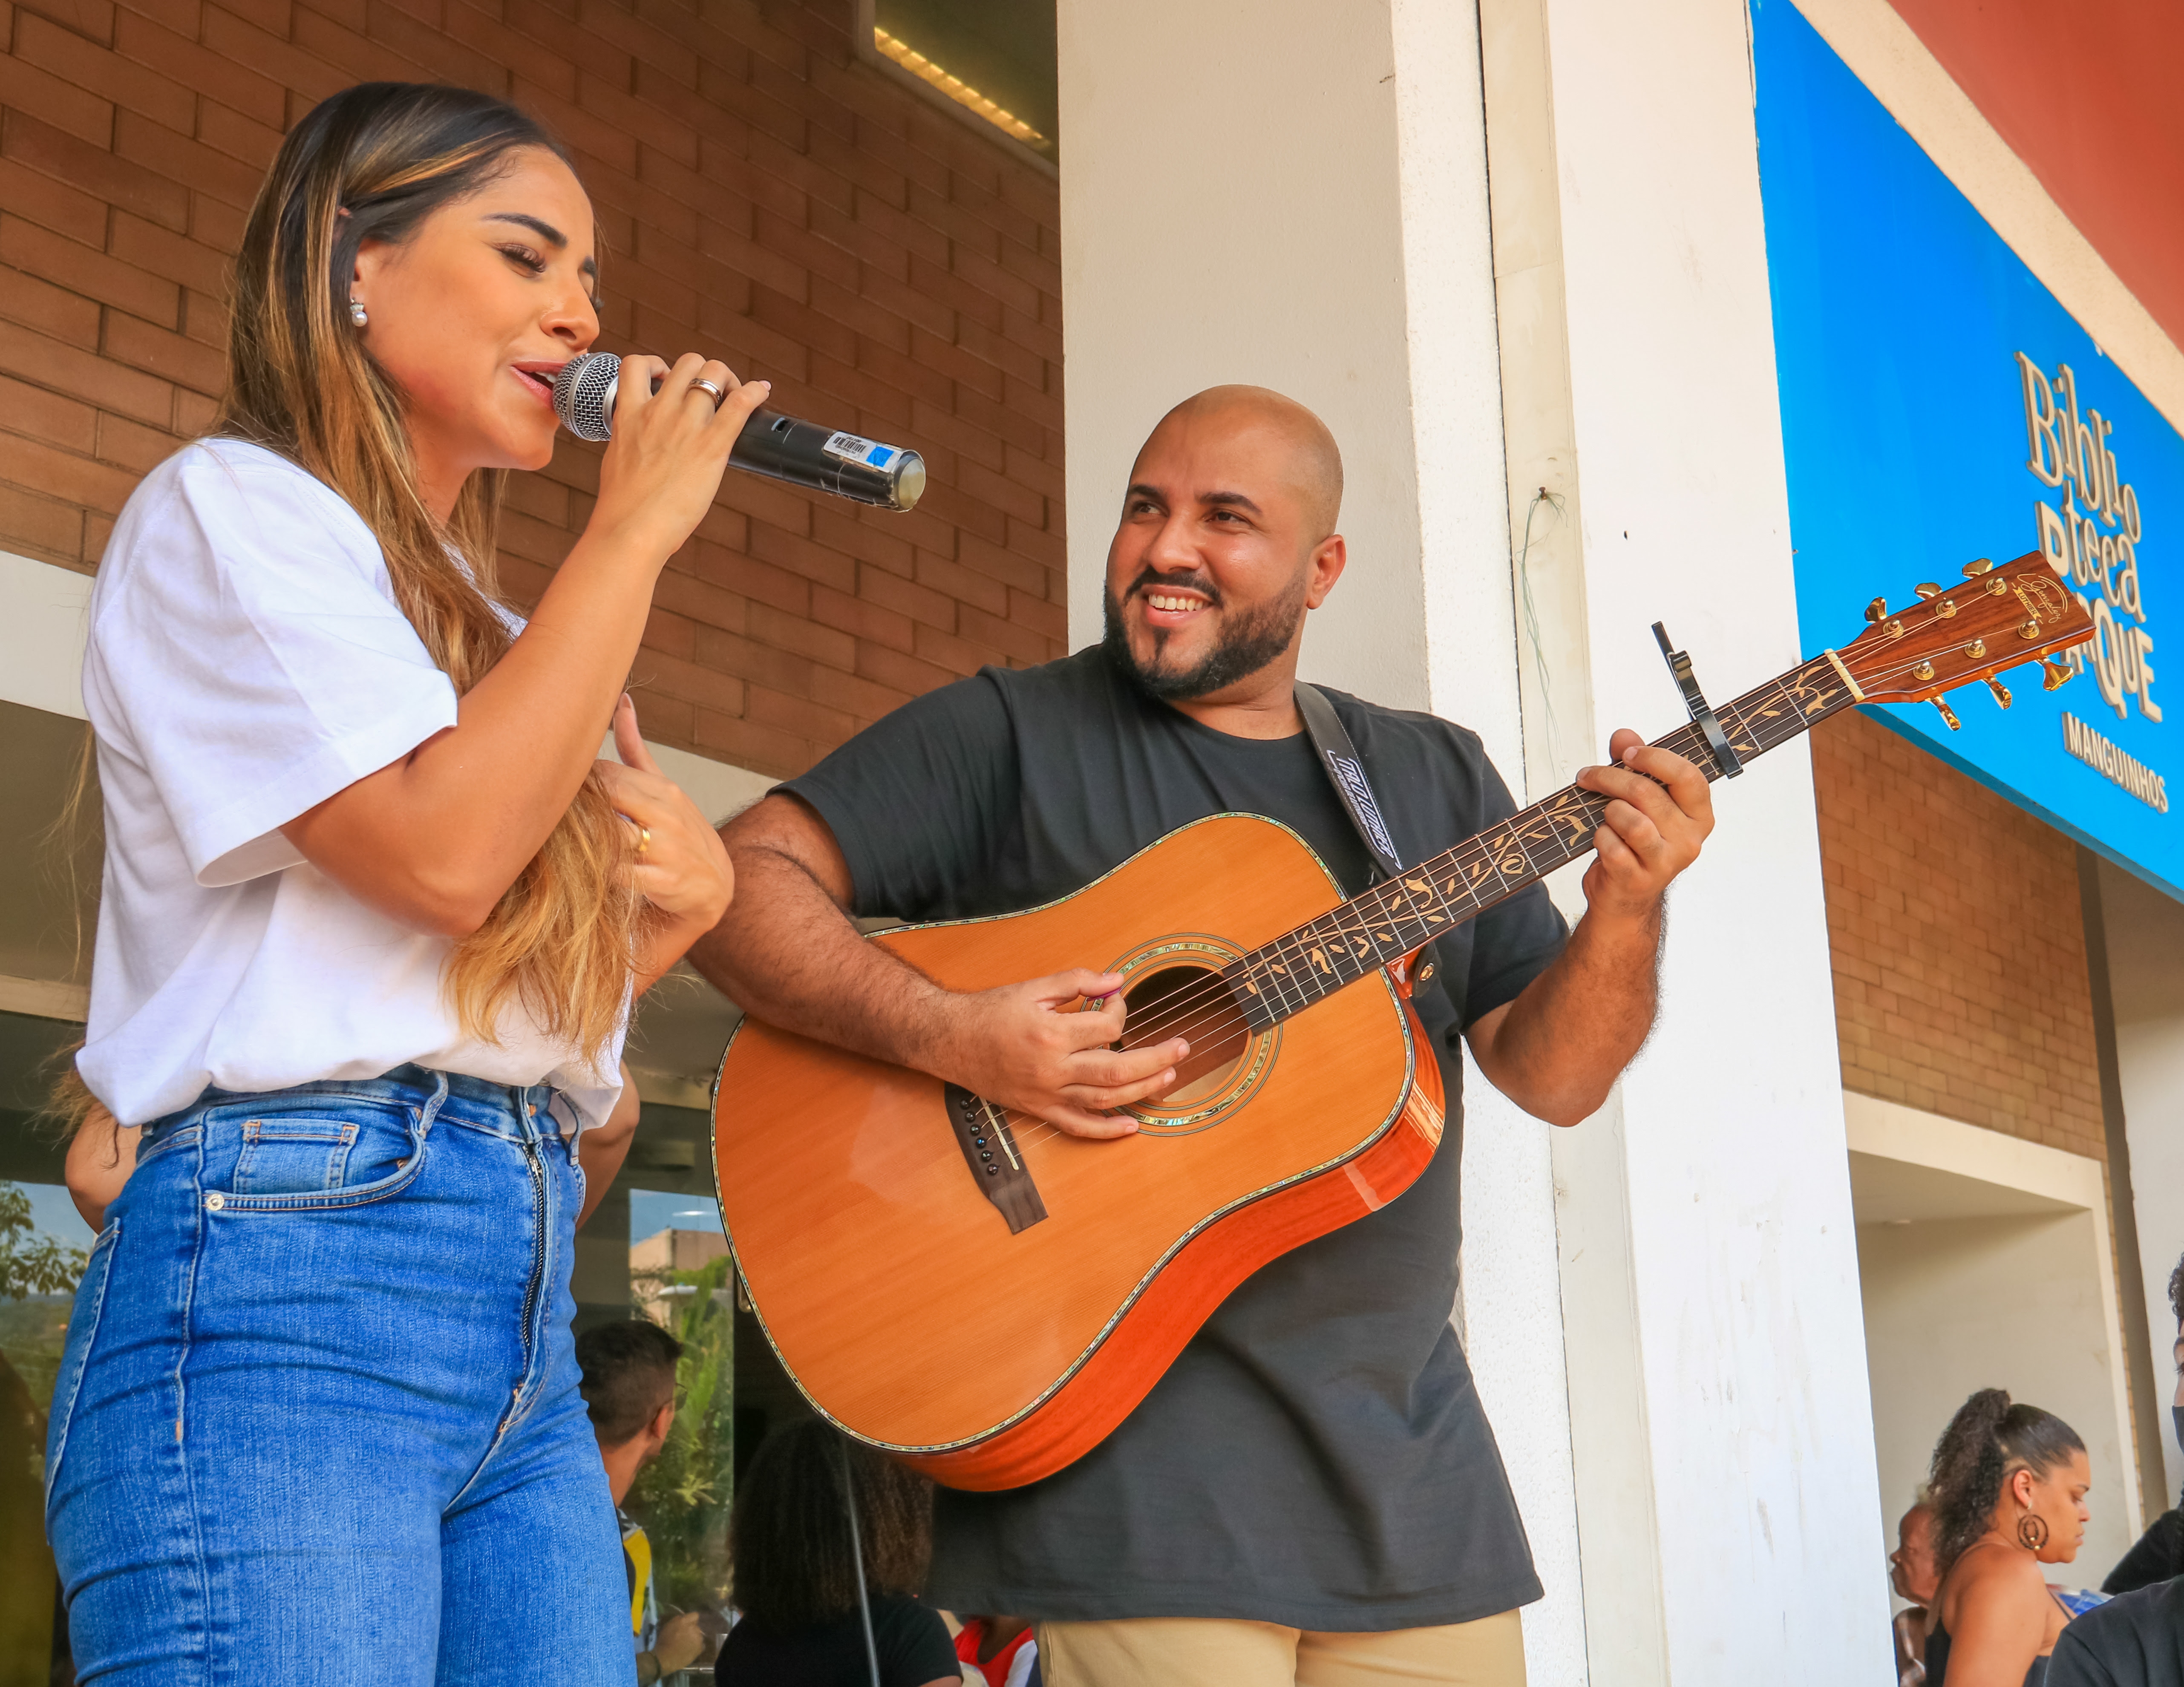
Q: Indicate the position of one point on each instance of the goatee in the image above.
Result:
(1249, 644)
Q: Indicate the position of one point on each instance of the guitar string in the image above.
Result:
(1171, 1020)
(1761, 737)
(1175, 1016)
(1206, 1003)
(1205, 999)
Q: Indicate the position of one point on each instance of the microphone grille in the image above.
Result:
(584, 394)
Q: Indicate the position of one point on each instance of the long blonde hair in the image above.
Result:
(373, 162)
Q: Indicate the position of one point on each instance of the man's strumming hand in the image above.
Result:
(1038, 1048)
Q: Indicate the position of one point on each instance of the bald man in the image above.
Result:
(1312, 1494)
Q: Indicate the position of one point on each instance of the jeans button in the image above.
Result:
(215, 1201)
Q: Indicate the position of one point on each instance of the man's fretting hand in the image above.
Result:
(1661, 811)
(1032, 1048)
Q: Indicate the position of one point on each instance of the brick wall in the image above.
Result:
(762, 194)
(1960, 952)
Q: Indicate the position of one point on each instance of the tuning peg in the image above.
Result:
(1927, 588)
(2053, 675)
(2001, 693)
(1947, 713)
(2030, 629)
(1877, 610)
(1977, 566)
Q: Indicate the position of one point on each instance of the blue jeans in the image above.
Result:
(317, 1418)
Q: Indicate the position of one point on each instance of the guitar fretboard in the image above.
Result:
(1392, 920)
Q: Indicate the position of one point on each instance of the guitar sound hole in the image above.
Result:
(1190, 1002)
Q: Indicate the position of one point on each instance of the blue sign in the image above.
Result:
(1938, 405)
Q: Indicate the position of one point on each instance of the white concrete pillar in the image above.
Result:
(1294, 194)
(1723, 1435)
(2145, 934)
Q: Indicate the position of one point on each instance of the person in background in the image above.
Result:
(1912, 1573)
(796, 1575)
(2134, 1640)
(1001, 1649)
(629, 1387)
(2007, 1487)
(2158, 1554)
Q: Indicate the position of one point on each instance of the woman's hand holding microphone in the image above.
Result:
(670, 449)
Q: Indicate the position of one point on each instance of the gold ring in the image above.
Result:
(643, 841)
(718, 395)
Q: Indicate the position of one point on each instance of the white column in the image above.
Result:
(2145, 932)
(1725, 1472)
(1294, 194)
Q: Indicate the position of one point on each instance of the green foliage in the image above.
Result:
(31, 1261)
(682, 1496)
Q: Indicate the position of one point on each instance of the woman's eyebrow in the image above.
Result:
(546, 232)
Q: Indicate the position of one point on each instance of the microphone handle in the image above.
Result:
(806, 455)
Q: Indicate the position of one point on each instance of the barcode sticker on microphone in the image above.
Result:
(856, 450)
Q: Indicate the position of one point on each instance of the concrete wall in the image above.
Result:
(2145, 932)
(1233, 212)
(1986, 1261)
(2010, 1302)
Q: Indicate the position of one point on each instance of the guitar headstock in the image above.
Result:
(1995, 619)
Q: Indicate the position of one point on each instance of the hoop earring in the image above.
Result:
(356, 312)
(2031, 1532)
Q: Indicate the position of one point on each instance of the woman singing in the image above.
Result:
(2009, 1493)
(373, 916)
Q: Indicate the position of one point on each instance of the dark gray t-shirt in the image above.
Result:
(1318, 1456)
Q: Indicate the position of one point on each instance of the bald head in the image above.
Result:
(1311, 465)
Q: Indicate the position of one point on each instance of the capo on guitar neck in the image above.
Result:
(1679, 665)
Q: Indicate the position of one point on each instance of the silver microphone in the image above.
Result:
(801, 452)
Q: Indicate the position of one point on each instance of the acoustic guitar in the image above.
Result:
(866, 1202)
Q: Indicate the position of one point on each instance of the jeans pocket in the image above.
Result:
(304, 1153)
(75, 1351)
(287, 1156)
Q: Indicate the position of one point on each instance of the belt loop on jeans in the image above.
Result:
(432, 1107)
(526, 1111)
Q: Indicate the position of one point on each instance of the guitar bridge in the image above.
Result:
(989, 1149)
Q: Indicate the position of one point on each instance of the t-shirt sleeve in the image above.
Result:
(252, 659)
(921, 800)
(914, 1646)
(2154, 1557)
(1514, 941)
(2079, 1659)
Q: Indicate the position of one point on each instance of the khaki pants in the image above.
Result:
(1192, 1652)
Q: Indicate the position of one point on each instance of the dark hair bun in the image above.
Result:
(1988, 1437)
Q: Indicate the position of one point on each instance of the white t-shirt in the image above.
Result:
(247, 660)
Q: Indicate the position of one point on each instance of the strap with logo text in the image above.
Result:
(1346, 770)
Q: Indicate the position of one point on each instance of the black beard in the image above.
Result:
(1250, 644)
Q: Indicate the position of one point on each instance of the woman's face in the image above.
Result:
(2059, 1501)
(472, 315)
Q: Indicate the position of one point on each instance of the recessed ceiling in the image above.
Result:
(1884, 1191)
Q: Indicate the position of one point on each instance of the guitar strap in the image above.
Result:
(1346, 772)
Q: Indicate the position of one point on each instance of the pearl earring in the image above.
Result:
(356, 312)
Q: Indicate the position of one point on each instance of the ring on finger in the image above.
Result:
(643, 841)
(719, 392)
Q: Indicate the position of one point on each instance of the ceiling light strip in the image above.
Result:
(961, 93)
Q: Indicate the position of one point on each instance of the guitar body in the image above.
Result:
(852, 1195)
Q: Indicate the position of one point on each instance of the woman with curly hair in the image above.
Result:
(2007, 1487)
(372, 919)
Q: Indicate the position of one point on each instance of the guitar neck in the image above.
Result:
(1398, 917)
